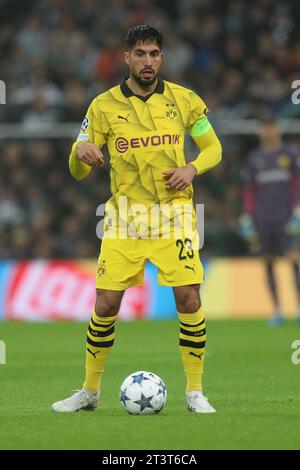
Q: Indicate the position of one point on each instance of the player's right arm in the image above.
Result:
(86, 153)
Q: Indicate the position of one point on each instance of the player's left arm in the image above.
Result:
(209, 145)
(246, 228)
(207, 142)
(293, 226)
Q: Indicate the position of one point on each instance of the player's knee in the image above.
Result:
(108, 302)
(190, 304)
(106, 308)
(187, 299)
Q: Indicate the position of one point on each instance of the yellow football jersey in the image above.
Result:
(144, 136)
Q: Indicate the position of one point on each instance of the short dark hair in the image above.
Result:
(144, 33)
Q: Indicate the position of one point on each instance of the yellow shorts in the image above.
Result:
(121, 262)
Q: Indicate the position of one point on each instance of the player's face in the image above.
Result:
(269, 133)
(144, 61)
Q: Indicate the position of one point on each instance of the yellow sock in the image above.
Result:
(192, 345)
(100, 339)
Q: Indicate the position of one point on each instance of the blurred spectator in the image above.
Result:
(57, 55)
(43, 211)
(52, 45)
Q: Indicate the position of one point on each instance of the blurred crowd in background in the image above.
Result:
(57, 55)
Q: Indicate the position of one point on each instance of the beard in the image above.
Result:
(143, 82)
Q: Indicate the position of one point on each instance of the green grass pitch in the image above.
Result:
(249, 378)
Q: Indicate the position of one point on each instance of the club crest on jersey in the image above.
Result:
(85, 124)
(283, 161)
(171, 113)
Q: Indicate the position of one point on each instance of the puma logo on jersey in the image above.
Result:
(196, 355)
(93, 354)
(125, 118)
(190, 267)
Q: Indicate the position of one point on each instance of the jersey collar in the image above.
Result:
(160, 87)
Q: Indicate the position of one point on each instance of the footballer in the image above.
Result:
(272, 207)
(143, 121)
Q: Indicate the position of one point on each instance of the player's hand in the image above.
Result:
(293, 226)
(246, 228)
(90, 154)
(180, 178)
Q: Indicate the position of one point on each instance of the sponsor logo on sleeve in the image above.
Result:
(85, 124)
(83, 136)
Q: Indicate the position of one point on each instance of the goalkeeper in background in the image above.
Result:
(143, 121)
(272, 206)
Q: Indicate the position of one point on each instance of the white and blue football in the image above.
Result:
(143, 393)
